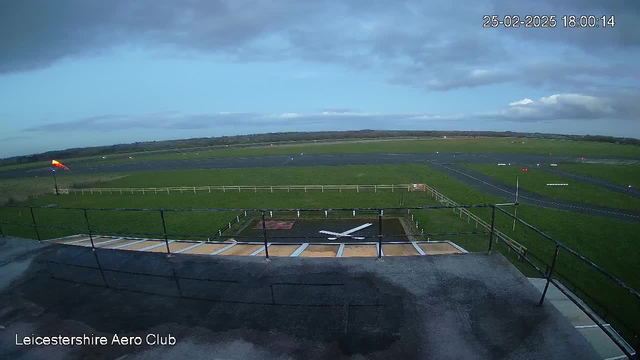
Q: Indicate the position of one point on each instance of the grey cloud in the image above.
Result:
(413, 43)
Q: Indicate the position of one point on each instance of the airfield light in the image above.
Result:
(525, 169)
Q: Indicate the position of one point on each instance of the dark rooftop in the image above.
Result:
(468, 306)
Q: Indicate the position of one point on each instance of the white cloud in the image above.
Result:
(525, 101)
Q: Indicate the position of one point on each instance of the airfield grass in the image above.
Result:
(607, 242)
(456, 144)
(621, 174)
(536, 181)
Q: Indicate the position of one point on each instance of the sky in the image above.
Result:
(77, 73)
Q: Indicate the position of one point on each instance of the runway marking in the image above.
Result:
(542, 201)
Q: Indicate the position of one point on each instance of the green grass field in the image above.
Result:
(537, 180)
(607, 242)
(496, 145)
(621, 174)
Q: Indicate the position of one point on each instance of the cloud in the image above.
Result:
(413, 43)
(555, 107)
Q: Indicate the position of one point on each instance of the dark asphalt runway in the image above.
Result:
(492, 186)
(441, 161)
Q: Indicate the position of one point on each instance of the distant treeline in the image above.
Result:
(288, 137)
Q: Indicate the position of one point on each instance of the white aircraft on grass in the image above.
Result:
(346, 233)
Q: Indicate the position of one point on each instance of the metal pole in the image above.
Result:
(379, 234)
(35, 225)
(86, 218)
(1, 233)
(493, 228)
(264, 233)
(55, 181)
(515, 210)
(164, 229)
(549, 274)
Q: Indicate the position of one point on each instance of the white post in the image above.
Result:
(132, 191)
(288, 188)
(408, 188)
(238, 218)
(245, 213)
(83, 191)
(220, 232)
(354, 213)
(255, 189)
(270, 213)
(155, 191)
(298, 212)
(326, 213)
(375, 188)
(239, 190)
(272, 189)
(223, 189)
(322, 188)
(167, 191)
(305, 188)
(142, 191)
(229, 225)
(180, 190)
(391, 187)
(357, 188)
(91, 191)
(120, 191)
(100, 191)
(194, 189)
(209, 188)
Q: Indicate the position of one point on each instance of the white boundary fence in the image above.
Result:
(521, 250)
(245, 188)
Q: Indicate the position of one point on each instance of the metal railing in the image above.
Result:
(241, 188)
(494, 234)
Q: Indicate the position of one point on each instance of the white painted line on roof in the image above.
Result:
(75, 241)
(617, 357)
(259, 251)
(106, 242)
(340, 250)
(418, 249)
(156, 245)
(188, 248)
(300, 250)
(590, 326)
(457, 247)
(64, 237)
(125, 245)
(223, 249)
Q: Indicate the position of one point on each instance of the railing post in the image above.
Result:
(264, 233)
(86, 219)
(493, 226)
(164, 230)
(35, 225)
(549, 274)
(379, 233)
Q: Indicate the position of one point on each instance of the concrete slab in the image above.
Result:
(360, 251)
(281, 250)
(206, 249)
(320, 251)
(399, 250)
(438, 248)
(241, 249)
(140, 245)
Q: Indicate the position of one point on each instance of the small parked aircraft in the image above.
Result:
(346, 233)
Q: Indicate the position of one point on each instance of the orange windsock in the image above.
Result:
(57, 163)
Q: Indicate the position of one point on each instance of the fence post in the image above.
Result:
(223, 189)
(379, 233)
(264, 233)
(375, 188)
(209, 188)
(35, 225)
(272, 189)
(493, 222)
(86, 219)
(549, 274)
(164, 230)
(391, 187)
(1, 233)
